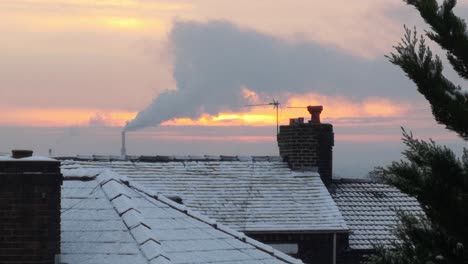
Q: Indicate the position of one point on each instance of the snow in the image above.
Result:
(123, 204)
(37, 158)
(231, 192)
(370, 209)
(32, 158)
(132, 219)
(81, 172)
(107, 220)
(151, 249)
(114, 189)
(108, 175)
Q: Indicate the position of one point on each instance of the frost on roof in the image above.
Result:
(178, 158)
(80, 173)
(248, 196)
(110, 220)
(370, 210)
(32, 158)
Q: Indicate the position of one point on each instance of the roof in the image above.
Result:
(248, 194)
(370, 210)
(107, 219)
(32, 158)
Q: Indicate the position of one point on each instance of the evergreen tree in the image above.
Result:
(439, 180)
(432, 173)
(448, 101)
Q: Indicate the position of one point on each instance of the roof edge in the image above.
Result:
(356, 180)
(300, 232)
(171, 158)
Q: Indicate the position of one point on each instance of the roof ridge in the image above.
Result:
(221, 227)
(113, 185)
(173, 158)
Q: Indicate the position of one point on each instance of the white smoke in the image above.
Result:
(214, 60)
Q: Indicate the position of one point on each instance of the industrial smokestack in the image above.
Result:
(123, 151)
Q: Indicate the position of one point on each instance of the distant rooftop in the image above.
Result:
(168, 158)
(32, 158)
(370, 210)
(249, 194)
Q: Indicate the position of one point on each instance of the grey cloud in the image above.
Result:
(214, 60)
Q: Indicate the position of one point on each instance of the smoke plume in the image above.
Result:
(213, 62)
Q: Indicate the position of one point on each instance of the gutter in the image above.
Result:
(297, 232)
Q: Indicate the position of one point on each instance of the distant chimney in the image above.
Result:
(123, 151)
(308, 145)
(29, 209)
(19, 153)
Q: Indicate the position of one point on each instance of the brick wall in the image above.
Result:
(29, 211)
(308, 145)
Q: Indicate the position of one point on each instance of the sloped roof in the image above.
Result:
(107, 219)
(247, 194)
(370, 210)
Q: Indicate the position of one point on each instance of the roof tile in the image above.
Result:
(126, 225)
(370, 210)
(252, 195)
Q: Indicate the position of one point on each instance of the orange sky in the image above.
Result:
(335, 108)
(71, 69)
(114, 54)
(81, 62)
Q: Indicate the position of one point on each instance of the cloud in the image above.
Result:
(55, 5)
(214, 61)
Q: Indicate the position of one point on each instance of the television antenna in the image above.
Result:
(275, 104)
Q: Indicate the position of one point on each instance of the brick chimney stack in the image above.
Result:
(29, 208)
(306, 146)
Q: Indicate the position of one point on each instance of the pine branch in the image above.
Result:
(448, 102)
(448, 30)
(439, 181)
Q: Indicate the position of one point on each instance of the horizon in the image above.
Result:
(181, 72)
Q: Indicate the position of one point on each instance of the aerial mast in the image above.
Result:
(275, 104)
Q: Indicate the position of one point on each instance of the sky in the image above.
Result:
(74, 72)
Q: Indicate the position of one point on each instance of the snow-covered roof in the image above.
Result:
(32, 158)
(108, 219)
(247, 194)
(370, 210)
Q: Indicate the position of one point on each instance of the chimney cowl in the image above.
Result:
(21, 153)
(315, 111)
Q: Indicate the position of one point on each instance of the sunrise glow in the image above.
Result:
(124, 22)
(334, 108)
(64, 117)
